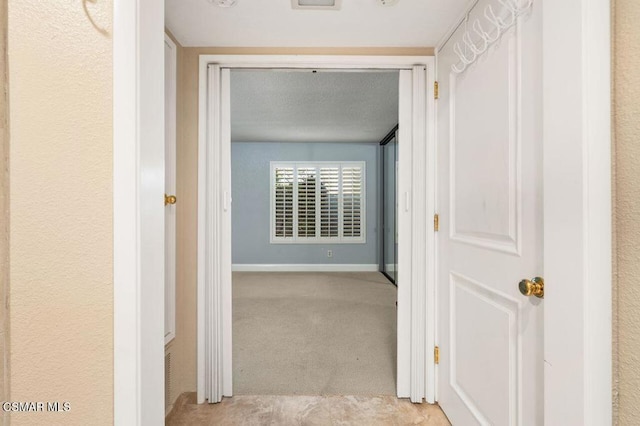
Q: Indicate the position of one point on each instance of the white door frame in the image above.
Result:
(577, 211)
(577, 100)
(138, 212)
(416, 331)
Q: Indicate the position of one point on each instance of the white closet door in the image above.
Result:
(170, 60)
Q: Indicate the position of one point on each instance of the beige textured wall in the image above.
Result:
(627, 205)
(61, 246)
(187, 183)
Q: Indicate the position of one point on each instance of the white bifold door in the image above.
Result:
(490, 335)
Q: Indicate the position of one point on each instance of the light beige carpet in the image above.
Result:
(305, 410)
(313, 334)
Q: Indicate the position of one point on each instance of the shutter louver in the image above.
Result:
(283, 202)
(351, 201)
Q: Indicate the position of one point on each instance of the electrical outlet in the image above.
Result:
(329, 253)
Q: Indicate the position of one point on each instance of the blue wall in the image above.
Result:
(250, 176)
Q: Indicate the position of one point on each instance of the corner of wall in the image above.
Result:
(4, 213)
(626, 199)
(615, 376)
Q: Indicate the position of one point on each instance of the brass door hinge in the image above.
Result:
(436, 90)
(436, 355)
(436, 222)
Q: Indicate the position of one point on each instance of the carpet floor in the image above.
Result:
(313, 334)
(305, 410)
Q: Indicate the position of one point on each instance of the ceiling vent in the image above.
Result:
(316, 4)
(223, 3)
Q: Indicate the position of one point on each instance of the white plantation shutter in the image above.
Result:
(351, 201)
(283, 202)
(306, 202)
(329, 201)
(318, 202)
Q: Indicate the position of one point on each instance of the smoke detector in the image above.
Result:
(316, 4)
(223, 3)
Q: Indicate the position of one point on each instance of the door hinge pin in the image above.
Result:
(436, 355)
(436, 222)
(436, 90)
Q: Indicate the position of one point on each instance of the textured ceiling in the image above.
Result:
(303, 106)
(273, 23)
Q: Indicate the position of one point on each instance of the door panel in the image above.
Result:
(484, 345)
(489, 200)
(484, 148)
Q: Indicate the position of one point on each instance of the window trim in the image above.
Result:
(317, 239)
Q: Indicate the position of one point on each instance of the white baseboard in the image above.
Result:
(331, 267)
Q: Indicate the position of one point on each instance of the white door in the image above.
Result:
(170, 60)
(490, 204)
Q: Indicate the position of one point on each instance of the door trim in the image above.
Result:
(577, 181)
(138, 212)
(214, 151)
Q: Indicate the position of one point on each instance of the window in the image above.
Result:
(321, 202)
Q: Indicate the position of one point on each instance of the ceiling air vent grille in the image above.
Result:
(316, 4)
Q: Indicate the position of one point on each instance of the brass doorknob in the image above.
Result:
(169, 199)
(535, 287)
